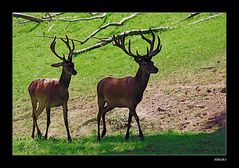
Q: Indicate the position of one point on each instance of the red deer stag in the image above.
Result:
(53, 92)
(128, 91)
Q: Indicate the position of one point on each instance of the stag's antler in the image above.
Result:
(67, 44)
(53, 46)
(69, 47)
(152, 52)
(119, 41)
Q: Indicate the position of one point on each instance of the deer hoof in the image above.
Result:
(103, 134)
(126, 137)
(141, 138)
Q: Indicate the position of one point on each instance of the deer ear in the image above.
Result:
(57, 64)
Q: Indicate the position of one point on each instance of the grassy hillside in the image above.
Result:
(186, 47)
(185, 50)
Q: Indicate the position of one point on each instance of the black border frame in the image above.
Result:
(229, 7)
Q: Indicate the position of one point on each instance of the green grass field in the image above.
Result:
(185, 50)
(168, 143)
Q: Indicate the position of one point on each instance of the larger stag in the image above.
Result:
(126, 92)
(53, 92)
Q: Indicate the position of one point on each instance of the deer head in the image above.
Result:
(144, 61)
(67, 64)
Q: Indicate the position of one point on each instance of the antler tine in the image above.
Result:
(147, 51)
(143, 37)
(73, 45)
(115, 41)
(138, 53)
(71, 52)
(129, 52)
(151, 52)
(53, 44)
(120, 42)
(157, 50)
(69, 47)
(151, 42)
(66, 42)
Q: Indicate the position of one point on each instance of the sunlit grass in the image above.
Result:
(186, 47)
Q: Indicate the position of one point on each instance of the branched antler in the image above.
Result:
(71, 50)
(119, 41)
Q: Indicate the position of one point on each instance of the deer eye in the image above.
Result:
(68, 64)
(150, 63)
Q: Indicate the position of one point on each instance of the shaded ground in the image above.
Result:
(184, 103)
(162, 143)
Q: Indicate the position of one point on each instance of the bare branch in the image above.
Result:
(94, 13)
(50, 18)
(105, 41)
(59, 38)
(204, 19)
(146, 31)
(187, 17)
(81, 19)
(28, 17)
(95, 46)
(120, 23)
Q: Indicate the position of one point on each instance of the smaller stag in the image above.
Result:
(126, 92)
(53, 92)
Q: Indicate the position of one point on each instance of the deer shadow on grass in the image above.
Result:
(169, 143)
(172, 143)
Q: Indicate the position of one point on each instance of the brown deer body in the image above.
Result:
(52, 92)
(126, 92)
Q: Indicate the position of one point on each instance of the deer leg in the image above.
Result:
(129, 125)
(33, 127)
(98, 124)
(133, 112)
(98, 121)
(36, 115)
(65, 111)
(34, 106)
(107, 109)
(48, 111)
(101, 104)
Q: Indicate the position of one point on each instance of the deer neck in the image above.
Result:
(142, 79)
(65, 79)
